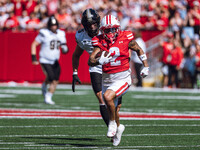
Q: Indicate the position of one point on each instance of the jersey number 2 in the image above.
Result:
(113, 61)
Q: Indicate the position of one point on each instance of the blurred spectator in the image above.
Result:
(9, 6)
(176, 57)
(11, 22)
(30, 6)
(3, 17)
(167, 47)
(52, 6)
(196, 16)
(63, 18)
(18, 7)
(23, 19)
(33, 23)
(189, 67)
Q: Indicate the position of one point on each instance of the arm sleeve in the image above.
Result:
(39, 38)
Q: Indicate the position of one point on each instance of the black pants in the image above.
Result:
(173, 72)
(138, 68)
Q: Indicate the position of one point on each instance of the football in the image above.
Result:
(99, 54)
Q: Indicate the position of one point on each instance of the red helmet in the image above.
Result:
(110, 27)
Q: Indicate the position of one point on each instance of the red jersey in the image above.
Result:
(198, 63)
(177, 56)
(119, 51)
(167, 48)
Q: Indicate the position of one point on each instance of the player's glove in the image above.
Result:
(75, 79)
(144, 72)
(104, 59)
(64, 49)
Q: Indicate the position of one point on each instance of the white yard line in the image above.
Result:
(162, 97)
(64, 135)
(101, 147)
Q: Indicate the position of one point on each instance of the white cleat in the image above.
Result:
(44, 89)
(112, 129)
(118, 135)
(49, 101)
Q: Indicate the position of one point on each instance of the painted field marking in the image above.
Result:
(162, 97)
(69, 126)
(37, 113)
(65, 135)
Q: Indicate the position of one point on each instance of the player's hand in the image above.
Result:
(35, 62)
(144, 72)
(75, 79)
(104, 59)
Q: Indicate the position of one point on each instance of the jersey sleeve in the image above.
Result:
(78, 36)
(63, 38)
(96, 42)
(40, 37)
(128, 35)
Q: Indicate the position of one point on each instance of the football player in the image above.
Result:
(91, 23)
(50, 39)
(116, 75)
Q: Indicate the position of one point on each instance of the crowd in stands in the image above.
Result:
(181, 18)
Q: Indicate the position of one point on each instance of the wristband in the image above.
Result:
(34, 58)
(75, 73)
(143, 57)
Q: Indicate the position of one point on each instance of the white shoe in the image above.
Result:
(44, 89)
(112, 129)
(49, 101)
(48, 98)
(118, 135)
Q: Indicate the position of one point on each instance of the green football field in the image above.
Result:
(154, 119)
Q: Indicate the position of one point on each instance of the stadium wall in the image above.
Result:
(15, 58)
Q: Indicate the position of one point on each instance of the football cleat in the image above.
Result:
(49, 101)
(44, 89)
(118, 135)
(112, 128)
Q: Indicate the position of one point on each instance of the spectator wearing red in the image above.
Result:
(11, 23)
(175, 64)
(33, 23)
(52, 6)
(30, 6)
(18, 7)
(196, 16)
(167, 47)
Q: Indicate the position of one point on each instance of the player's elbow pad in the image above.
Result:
(64, 49)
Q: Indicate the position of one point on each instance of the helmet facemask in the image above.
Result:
(91, 22)
(110, 28)
(110, 33)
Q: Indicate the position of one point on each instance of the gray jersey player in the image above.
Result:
(50, 40)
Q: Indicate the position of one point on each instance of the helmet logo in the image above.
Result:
(53, 21)
(89, 15)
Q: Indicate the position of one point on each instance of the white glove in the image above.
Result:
(144, 72)
(104, 59)
(64, 49)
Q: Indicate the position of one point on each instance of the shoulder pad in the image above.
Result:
(129, 35)
(81, 30)
(41, 33)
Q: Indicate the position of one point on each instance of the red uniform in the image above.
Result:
(177, 56)
(167, 48)
(119, 51)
